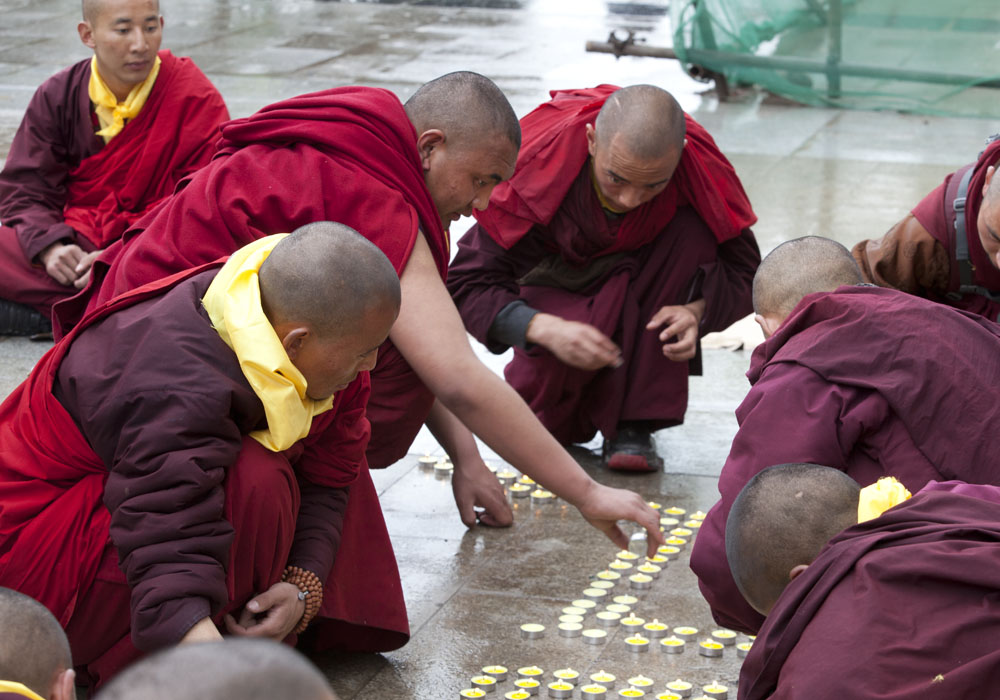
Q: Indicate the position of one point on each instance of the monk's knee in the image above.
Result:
(261, 487)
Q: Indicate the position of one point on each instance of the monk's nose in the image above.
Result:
(631, 198)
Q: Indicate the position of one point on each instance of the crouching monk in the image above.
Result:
(868, 593)
(182, 459)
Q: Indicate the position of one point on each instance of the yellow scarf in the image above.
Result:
(110, 112)
(880, 497)
(233, 305)
(19, 689)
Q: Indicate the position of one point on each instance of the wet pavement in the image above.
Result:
(847, 175)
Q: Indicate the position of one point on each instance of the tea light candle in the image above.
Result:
(672, 645)
(595, 593)
(686, 633)
(529, 685)
(594, 636)
(679, 687)
(604, 678)
(573, 610)
(567, 675)
(618, 608)
(675, 541)
(692, 524)
(541, 496)
(606, 618)
(519, 490)
(625, 599)
(640, 582)
(498, 672)
(626, 555)
(658, 559)
(571, 618)
(605, 585)
(506, 476)
(632, 622)
(619, 565)
(570, 629)
(698, 515)
(608, 575)
(443, 468)
(593, 692)
(716, 690)
(561, 689)
(637, 643)
(486, 683)
(649, 569)
(631, 692)
(654, 505)
(681, 532)
(584, 603)
(640, 681)
(670, 552)
(674, 510)
(532, 630)
(669, 696)
(517, 695)
(426, 462)
(669, 522)
(472, 693)
(655, 629)
(743, 648)
(724, 637)
(530, 672)
(710, 648)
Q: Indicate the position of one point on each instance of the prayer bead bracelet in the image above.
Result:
(311, 587)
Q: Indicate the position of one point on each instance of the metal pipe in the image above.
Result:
(631, 49)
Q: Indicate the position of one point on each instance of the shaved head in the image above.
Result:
(33, 647)
(469, 108)
(329, 277)
(782, 519)
(800, 267)
(647, 119)
(234, 669)
(92, 9)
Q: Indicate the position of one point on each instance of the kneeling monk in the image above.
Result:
(621, 238)
(183, 457)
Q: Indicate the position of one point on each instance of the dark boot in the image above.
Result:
(20, 320)
(632, 449)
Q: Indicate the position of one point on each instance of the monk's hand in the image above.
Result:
(577, 344)
(680, 323)
(82, 269)
(273, 613)
(204, 630)
(60, 261)
(604, 506)
(475, 486)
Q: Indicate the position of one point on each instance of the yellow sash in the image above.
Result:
(880, 497)
(233, 305)
(19, 689)
(110, 112)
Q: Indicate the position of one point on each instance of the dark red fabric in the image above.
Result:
(553, 151)
(173, 136)
(936, 213)
(855, 380)
(23, 282)
(902, 607)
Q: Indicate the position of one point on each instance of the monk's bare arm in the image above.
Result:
(430, 335)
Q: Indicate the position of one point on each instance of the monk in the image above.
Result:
(100, 144)
(871, 381)
(200, 476)
(868, 593)
(623, 235)
(35, 660)
(239, 669)
(401, 174)
(948, 247)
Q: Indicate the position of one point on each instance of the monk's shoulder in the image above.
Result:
(63, 88)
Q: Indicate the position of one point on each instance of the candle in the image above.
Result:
(472, 693)
(649, 569)
(443, 468)
(709, 647)
(669, 522)
(426, 462)
(594, 636)
(632, 622)
(561, 689)
(593, 692)
(654, 505)
(640, 582)
(640, 681)
(595, 593)
(498, 672)
(606, 618)
(626, 555)
(486, 683)
(672, 645)
(571, 618)
(529, 685)
(542, 497)
(573, 610)
(570, 629)
(658, 559)
(519, 490)
(724, 637)
(517, 695)
(625, 599)
(568, 675)
(637, 643)
(608, 575)
(655, 629)
(668, 551)
(619, 565)
(698, 515)
(692, 524)
(674, 541)
(530, 672)
(618, 608)
(506, 476)
(604, 678)
(525, 479)
(674, 510)
(669, 696)
(743, 648)
(583, 603)
(682, 688)
(631, 692)
(681, 532)
(686, 632)
(716, 690)
(605, 585)
(532, 630)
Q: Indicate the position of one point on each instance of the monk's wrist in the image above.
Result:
(540, 328)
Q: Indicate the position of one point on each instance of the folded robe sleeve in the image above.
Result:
(790, 415)
(726, 283)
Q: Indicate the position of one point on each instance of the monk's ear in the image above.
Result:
(427, 143)
(989, 178)
(768, 323)
(293, 339)
(796, 570)
(86, 33)
(64, 686)
(591, 139)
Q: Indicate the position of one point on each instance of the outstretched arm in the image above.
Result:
(430, 335)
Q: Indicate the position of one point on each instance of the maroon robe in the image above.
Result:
(62, 183)
(902, 607)
(692, 241)
(141, 460)
(869, 380)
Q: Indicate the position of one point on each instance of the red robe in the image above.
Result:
(869, 380)
(902, 607)
(697, 229)
(199, 523)
(62, 183)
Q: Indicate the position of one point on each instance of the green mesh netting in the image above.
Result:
(927, 56)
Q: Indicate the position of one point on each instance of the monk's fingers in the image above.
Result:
(83, 280)
(71, 255)
(84, 264)
(684, 323)
(497, 512)
(233, 627)
(664, 315)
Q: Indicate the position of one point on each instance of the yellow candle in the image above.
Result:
(692, 524)
(743, 648)
(625, 599)
(608, 575)
(532, 630)
(426, 462)
(561, 689)
(631, 693)
(710, 648)
(716, 690)
(649, 569)
(686, 632)
(517, 695)
(573, 610)
(672, 645)
(657, 559)
(583, 603)
(654, 505)
(472, 693)
(525, 479)
(530, 672)
(519, 490)
(567, 674)
(619, 565)
(542, 495)
(633, 622)
(443, 466)
(698, 515)
(669, 696)
(626, 555)
(681, 532)
(506, 475)
(724, 637)
(640, 581)
(682, 688)
(529, 684)
(637, 643)
(668, 551)
(669, 522)
(604, 678)
(674, 510)
(618, 608)
(487, 683)
(595, 593)
(571, 618)
(640, 681)
(497, 671)
(655, 629)
(604, 585)
(593, 692)
(678, 542)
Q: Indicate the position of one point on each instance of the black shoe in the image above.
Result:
(20, 320)
(632, 449)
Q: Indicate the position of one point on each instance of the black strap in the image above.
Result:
(961, 237)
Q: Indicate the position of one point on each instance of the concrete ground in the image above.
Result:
(847, 175)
